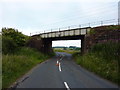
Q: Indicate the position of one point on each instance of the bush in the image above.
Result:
(8, 45)
(18, 37)
(12, 40)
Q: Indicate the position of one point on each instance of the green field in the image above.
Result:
(67, 51)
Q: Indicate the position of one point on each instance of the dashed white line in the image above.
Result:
(66, 85)
(60, 59)
(59, 67)
(57, 62)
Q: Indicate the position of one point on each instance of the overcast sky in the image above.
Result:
(31, 16)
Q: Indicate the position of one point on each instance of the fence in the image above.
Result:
(91, 24)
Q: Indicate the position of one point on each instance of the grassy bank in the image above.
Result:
(103, 59)
(16, 65)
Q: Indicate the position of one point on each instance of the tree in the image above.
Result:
(8, 45)
(12, 40)
(18, 37)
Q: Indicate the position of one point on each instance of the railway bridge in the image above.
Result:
(71, 34)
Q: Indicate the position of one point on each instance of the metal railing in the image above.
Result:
(91, 24)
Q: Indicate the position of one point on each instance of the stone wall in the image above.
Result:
(103, 34)
(43, 45)
(35, 42)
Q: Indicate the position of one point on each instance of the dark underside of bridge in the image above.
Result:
(47, 42)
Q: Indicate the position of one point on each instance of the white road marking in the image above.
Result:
(60, 59)
(59, 67)
(57, 62)
(66, 85)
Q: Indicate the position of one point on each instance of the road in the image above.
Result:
(62, 72)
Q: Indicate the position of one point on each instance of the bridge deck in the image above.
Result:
(71, 32)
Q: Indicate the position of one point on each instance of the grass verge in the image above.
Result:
(103, 59)
(16, 65)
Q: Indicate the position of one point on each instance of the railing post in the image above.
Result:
(59, 32)
(101, 23)
(44, 33)
(79, 26)
(51, 32)
(68, 27)
(80, 29)
(68, 31)
(89, 24)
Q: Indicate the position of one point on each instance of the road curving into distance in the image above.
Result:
(62, 72)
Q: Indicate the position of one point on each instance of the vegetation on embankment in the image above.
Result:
(17, 58)
(102, 59)
(16, 65)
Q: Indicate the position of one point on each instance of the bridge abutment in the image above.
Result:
(83, 44)
(88, 36)
(47, 46)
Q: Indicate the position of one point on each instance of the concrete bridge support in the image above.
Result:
(83, 44)
(47, 46)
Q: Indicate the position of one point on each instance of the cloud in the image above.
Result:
(59, 1)
(37, 14)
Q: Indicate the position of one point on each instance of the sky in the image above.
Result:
(37, 16)
(67, 43)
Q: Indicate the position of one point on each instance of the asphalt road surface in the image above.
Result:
(62, 72)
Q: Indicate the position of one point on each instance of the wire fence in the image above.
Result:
(91, 24)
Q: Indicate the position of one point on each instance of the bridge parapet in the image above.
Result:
(71, 32)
